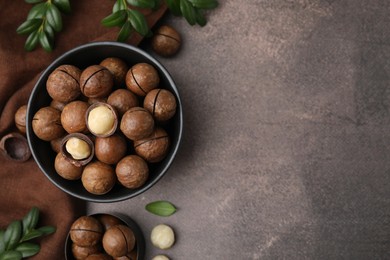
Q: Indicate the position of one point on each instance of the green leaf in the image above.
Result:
(188, 11)
(12, 234)
(44, 41)
(54, 18)
(2, 244)
(161, 208)
(29, 26)
(47, 230)
(63, 5)
(30, 221)
(49, 32)
(28, 249)
(32, 41)
(115, 19)
(11, 255)
(119, 5)
(33, 1)
(138, 22)
(200, 19)
(142, 3)
(204, 4)
(125, 32)
(174, 7)
(37, 11)
(31, 234)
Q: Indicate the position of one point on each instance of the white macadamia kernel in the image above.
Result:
(160, 257)
(101, 120)
(77, 148)
(162, 236)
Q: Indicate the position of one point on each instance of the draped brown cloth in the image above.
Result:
(23, 185)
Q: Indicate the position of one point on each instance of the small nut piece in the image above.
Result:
(160, 257)
(118, 240)
(63, 83)
(162, 236)
(132, 171)
(137, 123)
(161, 103)
(78, 148)
(86, 231)
(20, 119)
(46, 124)
(142, 78)
(102, 119)
(98, 178)
(166, 41)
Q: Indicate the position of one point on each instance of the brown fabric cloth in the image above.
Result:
(23, 185)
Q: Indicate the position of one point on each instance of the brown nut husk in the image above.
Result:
(130, 256)
(118, 69)
(56, 144)
(63, 83)
(122, 100)
(46, 124)
(155, 147)
(20, 119)
(66, 169)
(73, 117)
(161, 103)
(98, 178)
(102, 119)
(137, 123)
(132, 171)
(15, 147)
(108, 220)
(77, 148)
(142, 78)
(81, 252)
(110, 149)
(96, 81)
(86, 231)
(166, 41)
(57, 105)
(118, 241)
(100, 256)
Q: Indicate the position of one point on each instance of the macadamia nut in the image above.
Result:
(162, 236)
(77, 148)
(101, 120)
(160, 257)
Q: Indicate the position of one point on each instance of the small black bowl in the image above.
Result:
(82, 57)
(139, 236)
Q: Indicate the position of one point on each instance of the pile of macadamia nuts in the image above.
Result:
(102, 236)
(107, 123)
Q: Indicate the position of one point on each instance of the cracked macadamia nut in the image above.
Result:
(63, 83)
(155, 147)
(132, 171)
(118, 241)
(137, 123)
(96, 81)
(102, 119)
(46, 124)
(142, 78)
(66, 169)
(160, 257)
(118, 69)
(78, 148)
(161, 103)
(98, 178)
(166, 41)
(86, 231)
(20, 119)
(162, 236)
(73, 117)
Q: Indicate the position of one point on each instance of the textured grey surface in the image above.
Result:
(287, 134)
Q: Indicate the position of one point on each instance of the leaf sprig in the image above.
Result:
(130, 20)
(43, 21)
(13, 240)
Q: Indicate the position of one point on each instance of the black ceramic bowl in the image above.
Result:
(82, 57)
(139, 237)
